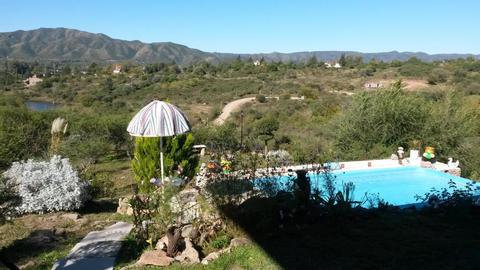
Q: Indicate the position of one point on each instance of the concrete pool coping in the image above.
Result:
(363, 165)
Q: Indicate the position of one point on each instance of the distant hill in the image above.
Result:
(62, 44)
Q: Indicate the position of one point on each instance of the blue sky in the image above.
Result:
(265, 26)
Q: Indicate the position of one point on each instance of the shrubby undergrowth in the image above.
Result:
(46, 186)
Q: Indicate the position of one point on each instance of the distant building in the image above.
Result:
(257, 63)
(370, 85)
(32, 81)
(117, 69)
(332, 65)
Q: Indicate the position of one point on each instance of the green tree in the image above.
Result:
(265, 129)
(261, 98)
(178, 151)
(342, 61)
(108, 84)
(380, 120)
(146, 163)
(312, 62)
(221, 138)
(452, 124)
(437, 75)
(93, 68)
(179, 154)
(23, 135)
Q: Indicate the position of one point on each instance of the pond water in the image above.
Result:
(41, 105)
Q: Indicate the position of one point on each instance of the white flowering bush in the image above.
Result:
(46, 186)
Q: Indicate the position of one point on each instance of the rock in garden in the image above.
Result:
(162, 243)
(239, 241)
(189, 254)
(185, 204)
(187, 231)
(71, 216)
(214, 255)
(155, 257)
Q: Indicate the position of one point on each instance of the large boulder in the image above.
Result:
(186, 206)
(189, 255)
(155, 257)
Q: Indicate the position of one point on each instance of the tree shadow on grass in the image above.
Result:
(313, 238)
(131, 250)
(99, 206)
(36, 243)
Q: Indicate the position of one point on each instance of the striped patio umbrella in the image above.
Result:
(159, 119)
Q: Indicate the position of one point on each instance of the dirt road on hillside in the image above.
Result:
(230, 108)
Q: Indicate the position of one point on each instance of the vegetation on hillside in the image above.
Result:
(325, 125)
(435, 104)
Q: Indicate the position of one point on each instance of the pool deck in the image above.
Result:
(366, 165)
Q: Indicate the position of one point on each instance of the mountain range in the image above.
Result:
(62, 44)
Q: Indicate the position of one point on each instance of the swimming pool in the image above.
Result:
(397, 186)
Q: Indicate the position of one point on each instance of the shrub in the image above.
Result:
(22, 135)
(102, 186)
(47, 186)
(9, 199)
(451, 197)
(437, 75)
(179, 159)
(387, 117)
(221, 241)
(279, 157)
(261, 98)
(285, 96)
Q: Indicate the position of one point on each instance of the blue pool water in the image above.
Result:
(397, 186)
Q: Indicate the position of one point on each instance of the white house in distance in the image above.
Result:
(117, 69)
(332, 64)
(373, 85)
(32, 81)
(257, 63)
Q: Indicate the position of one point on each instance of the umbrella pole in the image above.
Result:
(161, 158)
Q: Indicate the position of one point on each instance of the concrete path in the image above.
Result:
(97, 250)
